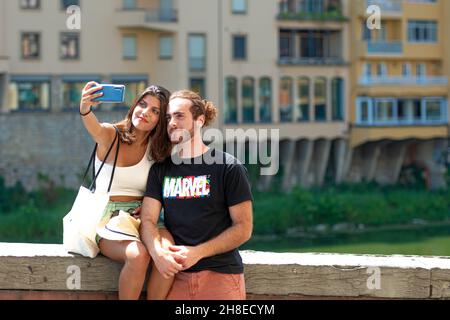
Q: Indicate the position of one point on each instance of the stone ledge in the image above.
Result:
(47, 268)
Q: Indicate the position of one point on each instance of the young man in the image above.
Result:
(207, 203)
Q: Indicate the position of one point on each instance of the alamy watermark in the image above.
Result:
(73, 21)
(263, 148)
(374, 280)
(73, 282)
(374, 20)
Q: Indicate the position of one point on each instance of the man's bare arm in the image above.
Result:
(232, 238)
(164, 260)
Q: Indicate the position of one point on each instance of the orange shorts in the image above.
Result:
(208, 285)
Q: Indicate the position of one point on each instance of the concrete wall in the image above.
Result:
(42, 271)
(54, 144)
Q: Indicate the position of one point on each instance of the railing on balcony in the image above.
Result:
(384, 47)
(311, 10)
(403, 80)
(161, 15)
(394, 6)
(311, 61)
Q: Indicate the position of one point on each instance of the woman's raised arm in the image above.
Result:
(103, 134)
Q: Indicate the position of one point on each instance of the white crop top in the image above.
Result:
(128, 181)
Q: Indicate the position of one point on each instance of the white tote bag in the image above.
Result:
(81, 222)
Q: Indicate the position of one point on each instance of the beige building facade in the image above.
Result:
(298, 66)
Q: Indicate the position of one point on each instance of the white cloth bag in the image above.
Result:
(80, 223)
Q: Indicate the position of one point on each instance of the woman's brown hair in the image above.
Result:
(160, 145)
(199, 106)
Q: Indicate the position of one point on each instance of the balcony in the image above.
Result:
(391, 111)
(383, 47)
(403, 80)
(156, 19)
(388, 8)
(290, 61)
(311, 10)
(394, 6)
(161, 16)
(313, 16)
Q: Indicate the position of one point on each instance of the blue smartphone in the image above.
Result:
(112, 93)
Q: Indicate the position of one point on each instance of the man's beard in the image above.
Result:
(184, 137)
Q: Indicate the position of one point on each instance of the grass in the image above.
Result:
(36, 224)
(37, 218)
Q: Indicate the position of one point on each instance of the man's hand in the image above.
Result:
(167, 263)
(137, 212)
(189, 255)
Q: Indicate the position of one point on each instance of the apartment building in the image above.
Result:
(399, 100)
(343, 97)
(267, 64)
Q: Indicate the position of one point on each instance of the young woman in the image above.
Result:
(143, 140)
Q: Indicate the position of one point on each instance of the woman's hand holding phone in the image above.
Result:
(90, 92)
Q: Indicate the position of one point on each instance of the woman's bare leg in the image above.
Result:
(158, 287)
(136, 259)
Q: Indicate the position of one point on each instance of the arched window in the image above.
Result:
(265, 99)
(248, 99)
(303, 100)
(337, 99)
(231, 95)
(320, 99)
(286, 99)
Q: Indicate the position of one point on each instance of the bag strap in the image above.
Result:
(92, 187)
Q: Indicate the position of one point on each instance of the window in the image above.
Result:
(311, 6)
(312, 44)
(265, 100)
(165, 47)
(303, 99)
(70, 46)
(422, 31)
(67, 3)
(198, 85)
(337, 99)
(239, 6)
(231, 96)
(364, 110)
(248, 100)
(129, 4)
(367, 69)
(287, 6)
(381, 69)
(239, 47)
(135, 85)
(434, 110)
(72, 87)
(286, 97)
(30, 4)
(366, 33)
(29, 95)
(391, 111)
(197, 52)
(320, 99)
(406, 69)
(409, 111)
(421, 70)
(286, 45)
(31, 45)
(385, 110)
(129, 47)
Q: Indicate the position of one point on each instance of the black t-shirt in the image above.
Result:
(196, 198)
